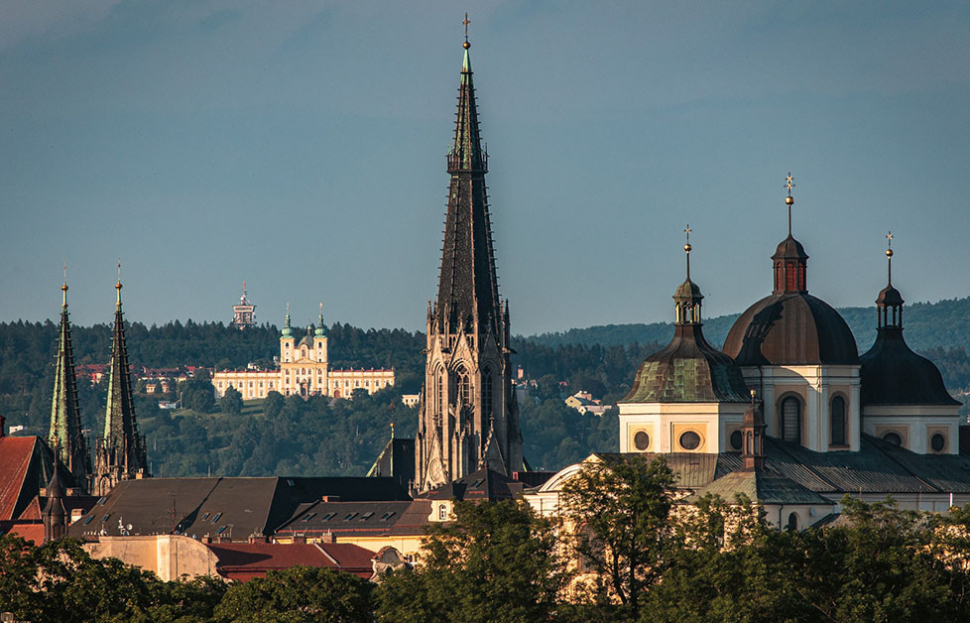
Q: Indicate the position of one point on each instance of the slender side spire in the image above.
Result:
(54, 515)
(121, 455)
(65, 435)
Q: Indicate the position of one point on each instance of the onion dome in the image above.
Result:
(321, 329)
(287, 329)
(791, 326)
(689, 369)
(892, 374)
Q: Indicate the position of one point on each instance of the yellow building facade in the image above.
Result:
(304, 371)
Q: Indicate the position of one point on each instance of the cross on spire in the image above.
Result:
(466, 22)
(889, 255)
(789, 200)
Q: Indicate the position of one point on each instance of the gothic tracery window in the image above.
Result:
(487, 393)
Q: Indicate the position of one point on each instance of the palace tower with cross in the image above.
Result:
(468, 416)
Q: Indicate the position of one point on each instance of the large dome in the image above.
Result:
(791, 328)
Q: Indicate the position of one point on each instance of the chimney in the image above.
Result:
(330, 498)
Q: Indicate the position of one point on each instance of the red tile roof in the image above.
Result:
(15, 456)
(245, 561)
(31, 531)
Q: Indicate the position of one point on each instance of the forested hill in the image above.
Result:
(945, 324)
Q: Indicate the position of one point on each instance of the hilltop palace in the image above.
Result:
(304, 371)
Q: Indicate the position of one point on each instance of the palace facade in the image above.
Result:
(304, 371)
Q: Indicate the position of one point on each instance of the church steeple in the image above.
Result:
(790, 259)
(65, 435)
(469, 416)
(121, 453)
(468, 287)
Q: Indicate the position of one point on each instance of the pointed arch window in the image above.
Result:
(837, 417)
(791, 419)
(462, 379)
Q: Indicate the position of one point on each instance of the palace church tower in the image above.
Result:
(469, 416)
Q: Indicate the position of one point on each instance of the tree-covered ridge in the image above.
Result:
(944, 324)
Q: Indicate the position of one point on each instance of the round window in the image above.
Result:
(690, 440)
(641, 440)
(937, 442)
(736, 440)
(893, 438)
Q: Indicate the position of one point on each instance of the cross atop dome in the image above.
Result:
(466, 22)
(789, 200)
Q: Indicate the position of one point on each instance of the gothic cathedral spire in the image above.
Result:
(65, 435)
(121, 450)
(469, 416)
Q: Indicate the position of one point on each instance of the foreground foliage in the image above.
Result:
(642, 557)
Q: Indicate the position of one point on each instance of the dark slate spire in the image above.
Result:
(121, 451)
(65, 434)
(468, 287)
(54, 515)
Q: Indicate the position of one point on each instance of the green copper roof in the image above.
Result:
(688, 370)
(764, 487)
(466, 65)
(65, 435)
(287, 330)
(321, 328)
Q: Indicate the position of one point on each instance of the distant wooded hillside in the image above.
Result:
(927, 325)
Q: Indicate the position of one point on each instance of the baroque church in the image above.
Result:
(789, 413)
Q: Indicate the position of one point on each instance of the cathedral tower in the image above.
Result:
(469, 416)
(121, 450)
(65, 435)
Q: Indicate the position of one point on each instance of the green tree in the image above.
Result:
(619, 512)
(496, 562)
(231, 402)
(296, 595)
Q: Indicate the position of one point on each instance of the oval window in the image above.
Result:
(893, 438)
(937, 442)
(736, 440)
(690, 440)
(641, 440)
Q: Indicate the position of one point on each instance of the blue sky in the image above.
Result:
(300, 146)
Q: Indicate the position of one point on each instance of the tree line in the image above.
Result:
(622, 549)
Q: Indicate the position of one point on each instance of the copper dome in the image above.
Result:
(791, 328)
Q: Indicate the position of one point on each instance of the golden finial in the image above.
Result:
(889, 251)
(118, 285)
(466, 22)
(789, 200)
(64, 287)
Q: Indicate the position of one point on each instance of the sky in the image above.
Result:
(300, 146)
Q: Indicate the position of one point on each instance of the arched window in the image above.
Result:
(486, 393)
(791, 420)
(462, 387)
(442, 512)
(837, 417)
(792, 522)
(440, 393)
(893, 438)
